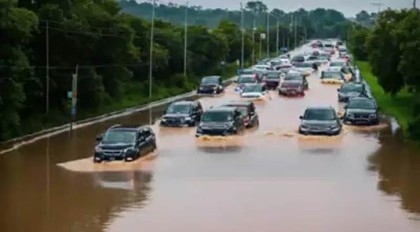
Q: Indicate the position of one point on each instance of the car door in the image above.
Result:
(149, 139)
(238, 120)
(142, 142)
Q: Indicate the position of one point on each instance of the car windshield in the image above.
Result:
(252, 88)
(119, 136)
(304, 65)
(351, 88)
(337, 64)
(272, 76)
(320, 114)
(361, 104)
(210, 80)
(298, 58)
(247, 79)
(290, 84)
(217, 116)
(243, 110)
(293, 78)
(247, 71)
(179, 109)
(331, 75)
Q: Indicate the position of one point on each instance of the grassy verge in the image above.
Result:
(399, 106)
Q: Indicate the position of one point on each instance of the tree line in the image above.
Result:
(42, 43)
(318, 23)
(392, 47)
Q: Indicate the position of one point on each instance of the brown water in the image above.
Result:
(270, 179)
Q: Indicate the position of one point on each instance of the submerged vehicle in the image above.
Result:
(320, 121)
(248, 111)
(292, 88)
(332, 76)
(361, 111)
(211, 85)
(349, 90)
(254, 91)
(221, 121)
(126, 143)
(272, 79)
(182, 113)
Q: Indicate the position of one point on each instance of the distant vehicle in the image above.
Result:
(328, 47)
(291, 88)
(272, 79)
(350, 90)
(182, 113)
(126, 143)
(332, 76)
(323, 60)
(211, 85)
(337, 65)
(361, 110)
(254, 91)
(314, 59)
(245, 79)
(349, 73)
(262, 67)
(338, 44)
(285, 68)
(293, 76)
(275, 64)
(306, 68)
(248, 111)
(298, 59)
(221, 121)
(342, 49)
(250, 71)
(320, 121)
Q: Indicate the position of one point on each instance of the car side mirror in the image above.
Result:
(301, 117)
(99, 138)
(338, 90)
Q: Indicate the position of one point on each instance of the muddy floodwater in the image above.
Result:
(269, 179)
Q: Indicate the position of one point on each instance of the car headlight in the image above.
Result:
(199, 129)
(163, 119)
(129, 151)
(215, 87)
(187, 118)
(98, 149)
(304, 127)
(334, 127)
(372, 116)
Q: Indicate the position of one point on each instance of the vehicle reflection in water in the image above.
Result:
(130, 180)
(399, 171)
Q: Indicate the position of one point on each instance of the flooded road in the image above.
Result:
(270, 179)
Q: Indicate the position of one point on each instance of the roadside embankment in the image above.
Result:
(399, 106)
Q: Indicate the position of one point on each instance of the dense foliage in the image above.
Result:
(318, 23)
(110, 49)
(392, 47)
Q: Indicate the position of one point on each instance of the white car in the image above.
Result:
(261, 68)
(306, 68)
(254, 91)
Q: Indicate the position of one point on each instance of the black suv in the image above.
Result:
(361, 110)
(211, 85)
(248, 111)
(351, 89)
(221, 121)
(182, 113)
(124, 143)
(320, 121)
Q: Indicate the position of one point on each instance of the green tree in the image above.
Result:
(18, 24)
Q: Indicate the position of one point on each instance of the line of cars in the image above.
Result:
(287, 76)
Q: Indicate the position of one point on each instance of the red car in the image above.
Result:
(292, 88)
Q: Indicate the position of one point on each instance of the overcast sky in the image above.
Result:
(348, 7)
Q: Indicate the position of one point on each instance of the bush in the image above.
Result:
(414, 128)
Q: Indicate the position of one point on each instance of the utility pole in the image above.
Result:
(296, 22)
(185, 40)
(151, 59)
(47, 69)
(414, 4)
(74, 97)
(278, 36)
(253, 37)
(268, 33)
(243, 37)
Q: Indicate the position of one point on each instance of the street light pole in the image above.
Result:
(278, 37)
(253, 37)
(243, 37)
(268, 34)
(151, 59)
(185, 40)
(47, 69)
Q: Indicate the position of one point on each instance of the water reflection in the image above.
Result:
(398, 166)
